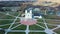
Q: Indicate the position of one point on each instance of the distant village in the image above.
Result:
(21, 6)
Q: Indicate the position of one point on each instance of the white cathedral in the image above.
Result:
(29, 15)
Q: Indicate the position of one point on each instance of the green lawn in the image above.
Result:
(23, 27)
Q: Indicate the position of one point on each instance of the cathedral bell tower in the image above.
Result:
(28, 14)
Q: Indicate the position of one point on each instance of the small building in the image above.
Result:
(58, 13)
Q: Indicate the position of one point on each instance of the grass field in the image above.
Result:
(8, 19)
